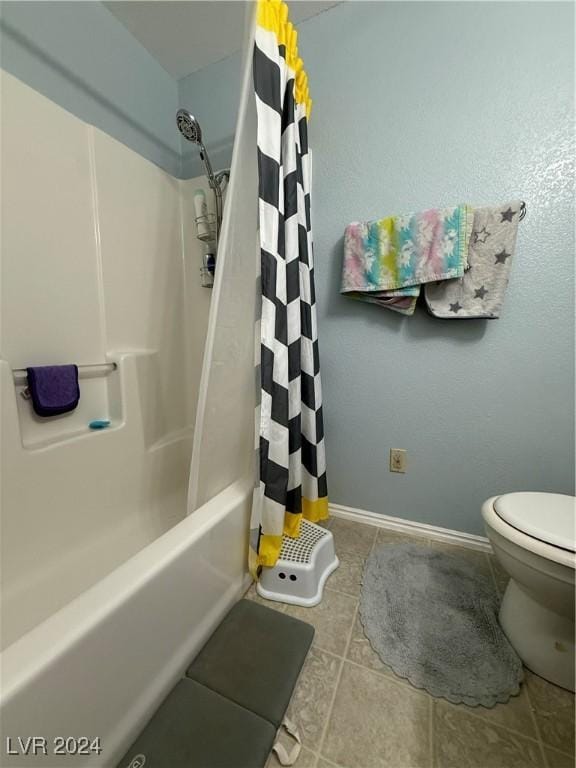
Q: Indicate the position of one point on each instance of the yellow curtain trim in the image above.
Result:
(269, 549)
(270, 546)
(273, 16)
(292, 524)
(315, 510)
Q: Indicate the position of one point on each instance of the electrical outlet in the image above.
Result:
(398, 460)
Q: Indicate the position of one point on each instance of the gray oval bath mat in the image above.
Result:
(433, 618)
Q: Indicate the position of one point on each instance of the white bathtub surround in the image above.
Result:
(101, 665)
(99, 264)
(533, 535)
(76, 516)
(108, 589)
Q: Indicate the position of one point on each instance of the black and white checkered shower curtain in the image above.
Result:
(289, 424)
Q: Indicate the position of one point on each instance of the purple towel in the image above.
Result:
(54, 389)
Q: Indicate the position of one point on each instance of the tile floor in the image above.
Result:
(354, 712)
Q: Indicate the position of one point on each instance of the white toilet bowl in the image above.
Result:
(533, 537)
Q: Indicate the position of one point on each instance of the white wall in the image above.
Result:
(51, 306)
(98, 263)
(143, 289)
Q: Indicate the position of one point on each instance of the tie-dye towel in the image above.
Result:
(386, 261)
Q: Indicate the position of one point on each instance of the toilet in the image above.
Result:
(533, 537)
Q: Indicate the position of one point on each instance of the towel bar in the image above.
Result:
(84, 371)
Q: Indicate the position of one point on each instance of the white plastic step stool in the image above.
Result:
(301, 571)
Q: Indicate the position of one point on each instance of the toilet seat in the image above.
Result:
(547, 517)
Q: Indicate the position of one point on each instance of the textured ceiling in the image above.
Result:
(187, 35)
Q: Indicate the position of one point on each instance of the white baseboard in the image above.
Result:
(411, 527)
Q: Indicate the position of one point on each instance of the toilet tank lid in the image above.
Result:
(549, 517)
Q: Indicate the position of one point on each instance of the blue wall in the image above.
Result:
(79, 56)
(420, 105)
(212, 94)
(427, 104)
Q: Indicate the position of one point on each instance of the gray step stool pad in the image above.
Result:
(197, 728)
(254, 658)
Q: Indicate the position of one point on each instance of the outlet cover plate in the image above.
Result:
(398, 460)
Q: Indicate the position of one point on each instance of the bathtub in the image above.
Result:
(91, 675)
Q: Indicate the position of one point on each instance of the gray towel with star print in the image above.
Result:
(480, 292)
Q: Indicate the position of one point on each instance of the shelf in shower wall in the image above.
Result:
(99, 400)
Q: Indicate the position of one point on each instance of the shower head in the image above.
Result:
(188, 126)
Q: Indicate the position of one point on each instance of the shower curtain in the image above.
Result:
(291, 466)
